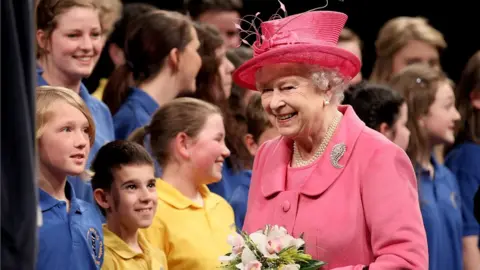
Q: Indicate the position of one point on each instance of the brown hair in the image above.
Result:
(195, 8)
(347, 35)
(185, 114)
(149, 40)
(236, 100)
(257, 119)
(46, 96)
(394, 35)
(207, 77)
(469, 128)
(47, 12)
(418, 84)
(113, 156)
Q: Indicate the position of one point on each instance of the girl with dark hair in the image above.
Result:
(161, 61)
(381, 108)
(463, 160)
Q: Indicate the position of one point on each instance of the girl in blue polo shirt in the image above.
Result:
(162, 59)
(464, 158)
(69, 42)
(71, 234)
(431, 122)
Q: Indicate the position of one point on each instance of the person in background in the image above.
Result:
(382, 109)
(351, 42)
(403, 41)
(432, 122)
(260, 129)
(69, 42)
(192, 224)
(124, 188)
(161, 62)
(464, 158)
(110, 11)
(240, 97)
(223, 14)
(113, 54)
(71, 234)
(326, 156)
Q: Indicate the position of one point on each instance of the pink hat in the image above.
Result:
(309, 38)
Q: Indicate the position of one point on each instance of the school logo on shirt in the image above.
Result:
(95, 244)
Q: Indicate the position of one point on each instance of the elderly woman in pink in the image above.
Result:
(348, 189)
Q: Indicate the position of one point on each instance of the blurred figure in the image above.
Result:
(161, 61)
(113, 54)
(464, 158)
(431, 122)
(223, 14)
(240, 97)
(110, 12)
(351, 42)
(381, 108)
(403, 41)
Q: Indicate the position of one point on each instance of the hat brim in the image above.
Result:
(318, 55)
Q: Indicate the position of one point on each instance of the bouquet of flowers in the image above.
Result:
(271, 248)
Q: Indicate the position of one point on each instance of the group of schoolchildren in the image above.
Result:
(129, 177)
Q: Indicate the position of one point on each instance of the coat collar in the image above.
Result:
(280, 154)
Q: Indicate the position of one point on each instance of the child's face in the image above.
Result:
(133, 196)
(439, 123)
(65, 144)
(209, 151)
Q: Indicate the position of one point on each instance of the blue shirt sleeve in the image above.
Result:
(468, 185)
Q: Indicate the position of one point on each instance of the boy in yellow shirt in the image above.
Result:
(124, 188)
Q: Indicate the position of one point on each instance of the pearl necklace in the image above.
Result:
(298, 161)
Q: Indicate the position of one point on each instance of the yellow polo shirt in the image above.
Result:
(193, 237)
(118, 255)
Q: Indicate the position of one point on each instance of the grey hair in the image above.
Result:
(330, 79)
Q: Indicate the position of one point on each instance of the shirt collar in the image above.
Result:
(117, 245)
(83, 89)
(47, 202)
(145, 100)
(173, 197)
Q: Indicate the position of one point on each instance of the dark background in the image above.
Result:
(458, 21)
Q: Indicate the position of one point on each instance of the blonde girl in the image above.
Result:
(71, 234)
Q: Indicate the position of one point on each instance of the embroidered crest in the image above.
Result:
(337, 153)
(95, 243)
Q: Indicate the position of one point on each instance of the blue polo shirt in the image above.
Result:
(104, 133)
(464, 162)
(234, 188)
(135, 112)
(69, 240)
(440, 205)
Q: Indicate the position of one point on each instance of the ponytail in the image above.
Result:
(138, 135)
(117, 88)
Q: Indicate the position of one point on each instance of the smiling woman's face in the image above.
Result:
(290, 98)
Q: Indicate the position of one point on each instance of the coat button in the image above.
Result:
(286, 206)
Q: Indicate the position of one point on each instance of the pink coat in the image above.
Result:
(364, 214)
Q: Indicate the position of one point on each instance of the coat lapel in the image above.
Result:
(276, 164)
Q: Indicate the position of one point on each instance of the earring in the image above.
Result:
(326, 102)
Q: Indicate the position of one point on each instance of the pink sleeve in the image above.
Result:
(392, 212)
(248, 224)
